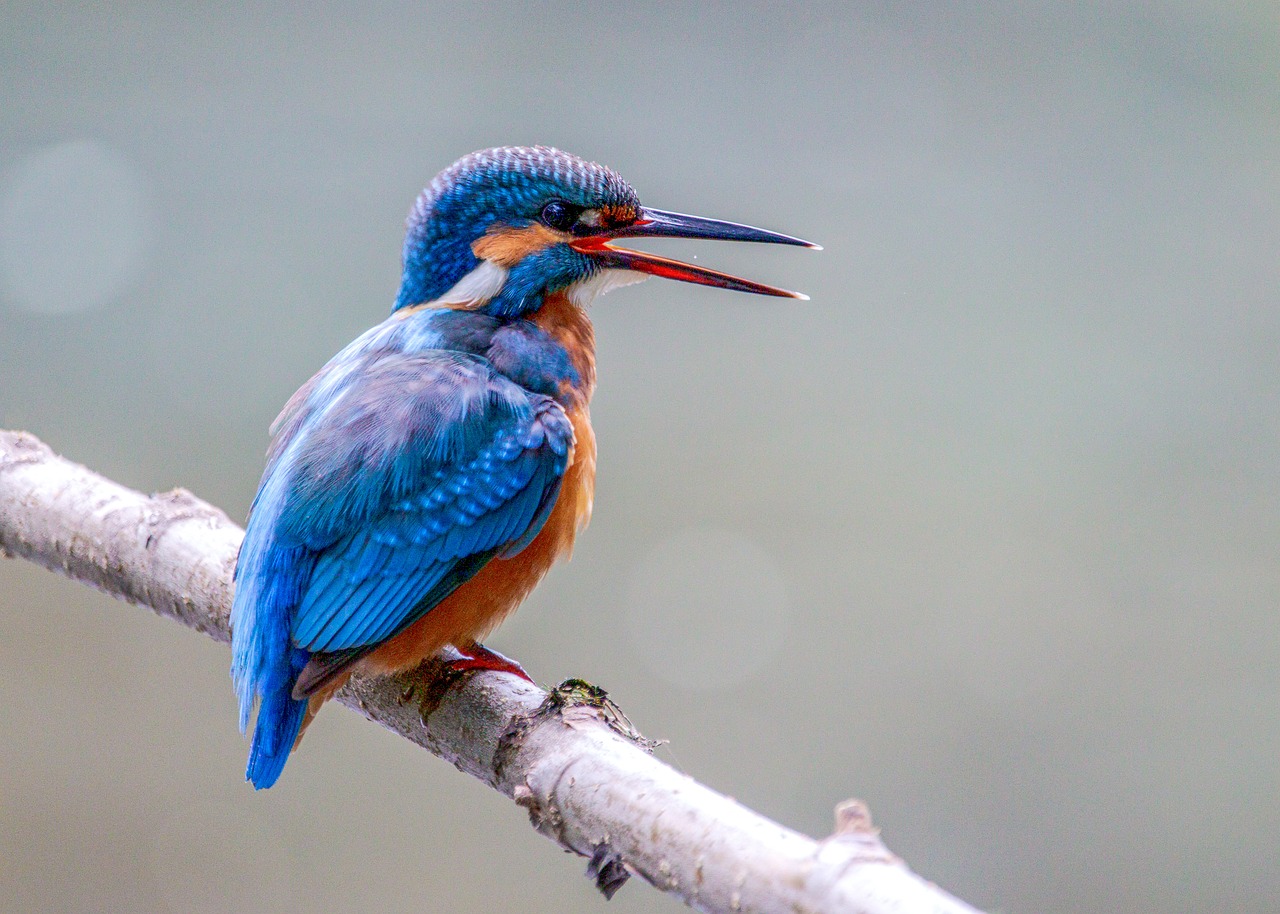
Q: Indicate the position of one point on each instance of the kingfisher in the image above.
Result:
(422, 483)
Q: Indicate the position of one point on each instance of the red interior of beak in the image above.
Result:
(599, 248)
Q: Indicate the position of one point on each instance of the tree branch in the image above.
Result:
(567, 756)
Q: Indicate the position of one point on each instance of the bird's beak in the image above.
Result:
(654, 223)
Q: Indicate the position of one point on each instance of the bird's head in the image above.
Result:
(502, 228)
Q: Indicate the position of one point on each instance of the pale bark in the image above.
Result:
(568, 756)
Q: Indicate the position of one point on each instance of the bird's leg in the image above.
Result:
(475, 656)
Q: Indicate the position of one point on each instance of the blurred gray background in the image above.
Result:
(986, 534)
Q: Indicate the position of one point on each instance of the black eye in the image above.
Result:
(559, 215)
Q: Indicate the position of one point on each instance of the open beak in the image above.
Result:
(655, 223)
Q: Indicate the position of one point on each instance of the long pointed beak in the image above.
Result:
(655, 223)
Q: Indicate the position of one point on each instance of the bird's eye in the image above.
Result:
(559, 215)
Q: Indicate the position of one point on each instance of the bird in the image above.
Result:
(420, 485)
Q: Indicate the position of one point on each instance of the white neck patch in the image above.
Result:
(477, 288)
(583, 292)
(481, 285)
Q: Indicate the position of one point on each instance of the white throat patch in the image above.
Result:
(583, 292)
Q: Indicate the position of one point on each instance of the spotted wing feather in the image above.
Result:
(371, 584)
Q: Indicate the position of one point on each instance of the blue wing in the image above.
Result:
(393, 479)
(370, 584)
(424, 461)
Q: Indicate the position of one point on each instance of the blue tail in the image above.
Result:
(279, 722)
(264, 663)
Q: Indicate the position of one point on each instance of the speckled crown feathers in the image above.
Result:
(517, 169)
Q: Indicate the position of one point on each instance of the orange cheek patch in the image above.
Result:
(507, 246)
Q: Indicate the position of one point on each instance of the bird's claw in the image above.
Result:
(478, 657)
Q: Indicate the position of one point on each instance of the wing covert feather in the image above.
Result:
(464, 463)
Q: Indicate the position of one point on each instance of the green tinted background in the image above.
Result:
(986, 534)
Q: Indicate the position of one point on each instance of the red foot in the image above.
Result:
(478, 657)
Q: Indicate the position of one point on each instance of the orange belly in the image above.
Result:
(478, 606)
